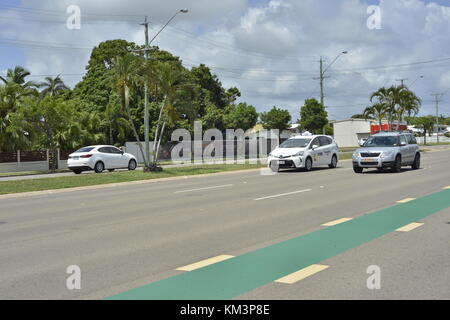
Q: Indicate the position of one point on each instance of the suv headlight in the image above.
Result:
(300, 154)
(355, 155)
(387, 154)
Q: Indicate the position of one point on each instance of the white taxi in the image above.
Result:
(305, 152)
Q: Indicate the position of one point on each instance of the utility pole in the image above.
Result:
(146, 112)
(402, 81)
(322, 98)
(322, 77)
(437, 97)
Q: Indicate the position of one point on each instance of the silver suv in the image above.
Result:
(387, 150)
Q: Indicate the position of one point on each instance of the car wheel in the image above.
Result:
(132, 165)
(357, 169)
(308, 164)
(99, 167)
(77, 171)
(397, 168)
(333, 163)
(416, 163)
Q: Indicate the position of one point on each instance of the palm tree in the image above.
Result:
(384, 97)
(398, 100)
(52, 86)
(410, 104)
(18, 76)
(172, 83)
(125, 79)
(377, 111)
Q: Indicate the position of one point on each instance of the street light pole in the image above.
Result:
(437, 97)
(146, 111)
(412, 83)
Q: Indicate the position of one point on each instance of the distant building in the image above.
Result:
(348, 133)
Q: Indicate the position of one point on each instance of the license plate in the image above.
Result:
(281, 162)
(76, 158)
(369, 160)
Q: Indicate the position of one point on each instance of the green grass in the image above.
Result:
(29, 173)
(345, 155)
(13, 174)
(8, 187)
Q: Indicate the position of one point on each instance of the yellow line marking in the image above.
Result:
(410, 227)
(302, 274)
(335, 222)
(204, 263)
(406, 200)
(447, 188)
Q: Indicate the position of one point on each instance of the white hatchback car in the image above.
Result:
(305, 152)
(100, 158)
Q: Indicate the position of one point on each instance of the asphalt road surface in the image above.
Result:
(266, 235)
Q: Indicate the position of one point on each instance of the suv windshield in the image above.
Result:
(295, 143)
(392, 141)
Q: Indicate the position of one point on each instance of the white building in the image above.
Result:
(348, 133)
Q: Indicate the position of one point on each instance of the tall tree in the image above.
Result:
(18, 76)
(177, 91)
(377, 111)
(313, 116)
(52, 86)
(124, 77)
(242, 116)
(276, 119)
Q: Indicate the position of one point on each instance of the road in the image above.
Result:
(137, 236)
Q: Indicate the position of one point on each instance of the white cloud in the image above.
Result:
(270, 52)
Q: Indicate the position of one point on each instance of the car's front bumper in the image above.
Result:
(286, 163)
(373, 163)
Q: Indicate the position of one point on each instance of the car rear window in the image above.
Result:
(85, 149)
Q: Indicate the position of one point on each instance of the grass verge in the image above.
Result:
(9, 187)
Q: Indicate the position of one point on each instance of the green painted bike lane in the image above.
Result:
(244, 273)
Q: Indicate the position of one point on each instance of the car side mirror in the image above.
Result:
(315, 146)
(122, 153)
(402, 144)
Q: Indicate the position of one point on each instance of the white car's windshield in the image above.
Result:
(382, 142)
(295, 143)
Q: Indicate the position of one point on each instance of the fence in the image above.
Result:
(263, 147)
(433, 139)
(24, 161)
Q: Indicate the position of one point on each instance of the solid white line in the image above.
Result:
(208, 188)
(283, 194)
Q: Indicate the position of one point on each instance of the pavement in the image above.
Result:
(236, 236)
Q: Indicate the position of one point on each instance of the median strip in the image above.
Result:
(204, 263)
(302, 274)
(283, 195)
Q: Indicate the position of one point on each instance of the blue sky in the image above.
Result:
(268, 48)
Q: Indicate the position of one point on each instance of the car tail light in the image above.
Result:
(86, 156)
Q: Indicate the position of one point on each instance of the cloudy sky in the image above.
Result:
(268, 48)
